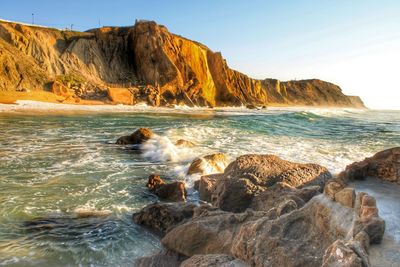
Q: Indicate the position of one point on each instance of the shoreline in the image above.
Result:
(23, 106)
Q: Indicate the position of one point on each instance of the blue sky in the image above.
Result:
(355, 44)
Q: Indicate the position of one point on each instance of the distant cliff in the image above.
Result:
(143, 63)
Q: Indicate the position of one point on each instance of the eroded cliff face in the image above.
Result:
(143, 63)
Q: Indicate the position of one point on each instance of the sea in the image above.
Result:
(68, 192)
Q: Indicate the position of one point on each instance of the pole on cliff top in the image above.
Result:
(33, 18)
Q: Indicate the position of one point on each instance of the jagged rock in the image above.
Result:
(385, 165)
(340, 255)
(249, 175)
(346, 197)
(175, 191)
(184, 143)
(161, 217)
(138, 137)
(213, 260)
(209, 231)
(214, 163)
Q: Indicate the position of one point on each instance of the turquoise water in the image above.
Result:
(67, 193)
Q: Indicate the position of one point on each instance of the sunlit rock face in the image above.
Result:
(142, 63)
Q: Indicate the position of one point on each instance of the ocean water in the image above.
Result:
(67, 192)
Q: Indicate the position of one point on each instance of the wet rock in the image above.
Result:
(138, 137)
(184, 143)
(384, 165)
(214, 163)
(346, 197)
(121, 96)
(250, 175)
(213, 260)
(175, 191)
(161, 217)
(339, 254)
(251, 106)
(210, 231)
(162, 259)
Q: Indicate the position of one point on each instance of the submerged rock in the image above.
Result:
(175, 191)
(384, 165)
(138, 137)
(250, 175)
(214, 163)
(184, 143)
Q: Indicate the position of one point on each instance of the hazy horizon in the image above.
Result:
(355, 45)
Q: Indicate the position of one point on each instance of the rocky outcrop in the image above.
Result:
(384, 165)
(138, 137)
(286, 222)
(175, 191)
(250, 175)
(142, 63)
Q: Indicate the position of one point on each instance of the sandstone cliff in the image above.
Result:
(142, 63)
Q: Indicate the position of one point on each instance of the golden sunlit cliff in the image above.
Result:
(142, 63)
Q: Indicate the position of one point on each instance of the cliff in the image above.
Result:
(142, 63)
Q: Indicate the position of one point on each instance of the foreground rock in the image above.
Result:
(213, 260)
(138, 137)
(162, 259)
(286, 222)
(250, 175)
(214, 163)
(209, 231)
(175, 191)
(384, 165)
(161, 217)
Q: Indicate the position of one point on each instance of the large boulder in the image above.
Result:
(384, 165)
(250, 175)
(175, 191)
(213, 260)
(214, 163)
(121, 96)
(138, 137)
(209, 231)
(161, 217)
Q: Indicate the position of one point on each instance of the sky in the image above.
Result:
(354, 44)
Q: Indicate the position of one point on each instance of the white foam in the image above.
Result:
(161, 148)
